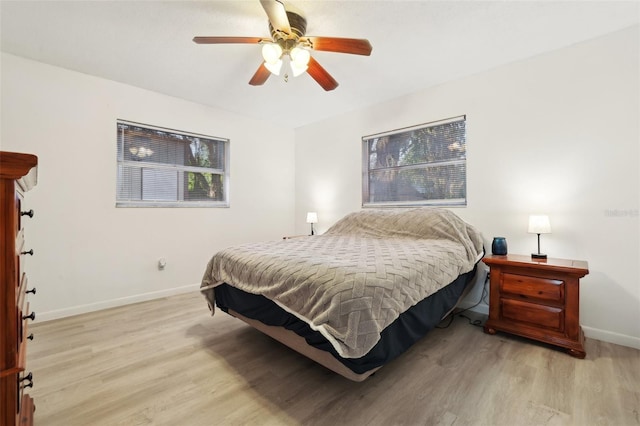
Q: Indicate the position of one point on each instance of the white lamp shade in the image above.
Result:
(274, 67)
(312, 217)
(299, 60)
(271, 52)
(297, 70)
(300, 56)
(539, 224)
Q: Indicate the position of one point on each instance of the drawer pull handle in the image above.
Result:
(32, 291)
(29, 213)
(31, 316)
(30, 252)
(30, 336)
(29, 378)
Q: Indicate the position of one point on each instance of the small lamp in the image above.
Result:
(539, 224)
(312, 217)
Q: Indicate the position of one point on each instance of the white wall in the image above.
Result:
(555, 134)
(558, 134)
(90, 254)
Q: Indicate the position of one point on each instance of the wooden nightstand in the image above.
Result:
(538, 299)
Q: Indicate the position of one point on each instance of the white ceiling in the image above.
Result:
(416, 44)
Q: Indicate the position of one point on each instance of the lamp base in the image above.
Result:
(538, 256)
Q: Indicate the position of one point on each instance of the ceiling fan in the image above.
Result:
(288, 39)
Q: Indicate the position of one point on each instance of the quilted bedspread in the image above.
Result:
(357, 278)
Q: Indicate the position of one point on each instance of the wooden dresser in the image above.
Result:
(18, 174)
(538, 299)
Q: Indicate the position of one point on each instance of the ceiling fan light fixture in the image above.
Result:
(299, 60)
(274, 67)
(271, 52)
(289, 43)
(297, 69)
(300, 56)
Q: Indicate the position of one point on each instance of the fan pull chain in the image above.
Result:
(286, 78)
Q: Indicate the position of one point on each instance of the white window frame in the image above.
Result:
(393, 168)
(150, 168)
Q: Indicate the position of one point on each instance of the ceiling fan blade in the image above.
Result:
(354, 46)
(261, 75)
(277, 15)
(321, 75)
(227, 40)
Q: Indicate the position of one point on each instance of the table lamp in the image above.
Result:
(312, 217)
(539, 224)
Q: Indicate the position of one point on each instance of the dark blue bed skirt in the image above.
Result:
(407, 329)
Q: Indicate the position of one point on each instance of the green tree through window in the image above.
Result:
(422, 165)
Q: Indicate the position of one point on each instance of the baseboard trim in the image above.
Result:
(121, 301)
(589, 332)
(611, 337)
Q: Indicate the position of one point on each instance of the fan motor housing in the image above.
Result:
(298, 28)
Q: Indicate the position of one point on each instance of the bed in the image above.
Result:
(357, 296)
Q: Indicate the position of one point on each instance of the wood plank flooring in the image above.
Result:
(168, 362)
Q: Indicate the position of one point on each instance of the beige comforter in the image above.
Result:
(357, 278)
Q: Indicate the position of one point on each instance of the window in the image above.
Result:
(420, 165)
(167, 168)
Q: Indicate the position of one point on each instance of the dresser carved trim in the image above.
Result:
(18, 174)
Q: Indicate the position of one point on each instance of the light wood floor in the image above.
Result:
(168, 362)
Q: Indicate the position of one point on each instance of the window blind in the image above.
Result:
(161, 167)
(418, 165)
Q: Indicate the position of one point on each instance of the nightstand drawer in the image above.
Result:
(530, 313)
(527, 287)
